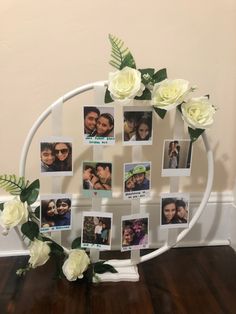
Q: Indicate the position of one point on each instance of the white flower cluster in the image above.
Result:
(124, 85)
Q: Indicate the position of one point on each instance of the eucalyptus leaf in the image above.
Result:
(30, 229)
(159, 76)
(30, 194)
(195, 133)
(161, 112)
(76, 244)
(108, 97)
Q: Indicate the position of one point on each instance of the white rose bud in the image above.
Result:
(170, 93)
(198, 112)
(125, 84)
(76, 264)
(39, 253)
(14, 213)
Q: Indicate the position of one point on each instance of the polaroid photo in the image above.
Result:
(176, 158)
(137, 180)
(55, 212)
(137, 125)
(56, 157)
(174, 210)
(134, 232)
(96, 230)
(99, 125)
(97, 179)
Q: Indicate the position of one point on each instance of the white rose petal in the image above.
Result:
(125, 84)
(170, 93)
(76, 264)
(39, 253)
(198, 112)
(14, 213)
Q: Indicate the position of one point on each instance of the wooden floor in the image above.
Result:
(186, 280)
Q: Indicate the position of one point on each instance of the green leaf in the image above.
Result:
(1, 206)
(146, 75)
(179, 107)
(37, 212)
(30, 229)
(108, 96)
(161, 112)
(56, 249)
(128, 61)
(30, 194)
(101, 268)
(195, 133)
(159, 76)
(12, 184)
(76, 243)
(120, 56)
(146, 95)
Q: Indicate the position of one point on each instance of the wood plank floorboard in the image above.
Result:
(184, 280)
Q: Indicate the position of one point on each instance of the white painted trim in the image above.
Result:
(215, 227)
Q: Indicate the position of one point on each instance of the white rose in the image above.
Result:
(125, 84)
(14, 213)
(39, 253)
(170, 93)
(198, 112)
(76, 264)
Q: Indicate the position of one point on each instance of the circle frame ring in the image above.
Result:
(166, 246)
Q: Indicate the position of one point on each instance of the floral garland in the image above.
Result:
(124, 85)
(129, 83)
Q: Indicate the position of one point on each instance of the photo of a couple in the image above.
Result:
(174, 210)
(96, 230)
(137, 177)
(56, 157)
(98, 124)
(137, 127)
(55, 213)
(97, 176)
(134, 232)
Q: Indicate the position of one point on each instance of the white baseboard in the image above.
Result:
(216, 225)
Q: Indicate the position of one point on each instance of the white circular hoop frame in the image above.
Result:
(198, 212)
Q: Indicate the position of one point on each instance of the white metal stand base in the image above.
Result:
(124, 273)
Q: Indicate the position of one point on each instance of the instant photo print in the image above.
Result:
(97, 179)
(96, 230)
(56, 157)
(55, 212)
(99, 124)
(134, 232)
(137, 180)
(174, 210)
(177, 158)
(137, 125)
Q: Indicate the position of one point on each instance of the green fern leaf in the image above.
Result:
(120, 56)
(12, 184)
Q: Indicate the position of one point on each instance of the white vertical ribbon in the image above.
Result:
(99, 92)
(178, 133)
(135, 204)
(57, 114)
